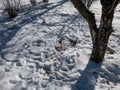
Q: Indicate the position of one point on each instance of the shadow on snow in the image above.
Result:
(10, 27)
(88, 77)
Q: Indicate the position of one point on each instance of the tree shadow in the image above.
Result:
(30, 14)
(88, 77)
(9, 27)
(110, 73)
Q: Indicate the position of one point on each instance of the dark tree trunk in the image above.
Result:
(99, 48)
(100, 36)
(105, 30)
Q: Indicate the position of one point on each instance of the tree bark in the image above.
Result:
(99, 48)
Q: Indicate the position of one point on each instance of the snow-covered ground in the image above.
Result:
(47, 47)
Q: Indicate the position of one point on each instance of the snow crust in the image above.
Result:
(32, 58)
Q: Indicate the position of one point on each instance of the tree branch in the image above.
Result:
(88, 15)
(108, 13)
(112, 3)
(115, 3)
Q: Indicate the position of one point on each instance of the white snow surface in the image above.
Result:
(32, 58)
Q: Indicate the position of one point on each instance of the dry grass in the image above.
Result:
(11, 6)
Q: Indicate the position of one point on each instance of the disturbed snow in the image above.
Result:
(37, 50)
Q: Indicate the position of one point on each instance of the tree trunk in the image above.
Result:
(100, 36)
(99, 48)
(105, 30)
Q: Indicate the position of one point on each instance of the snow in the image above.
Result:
(32, 57)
